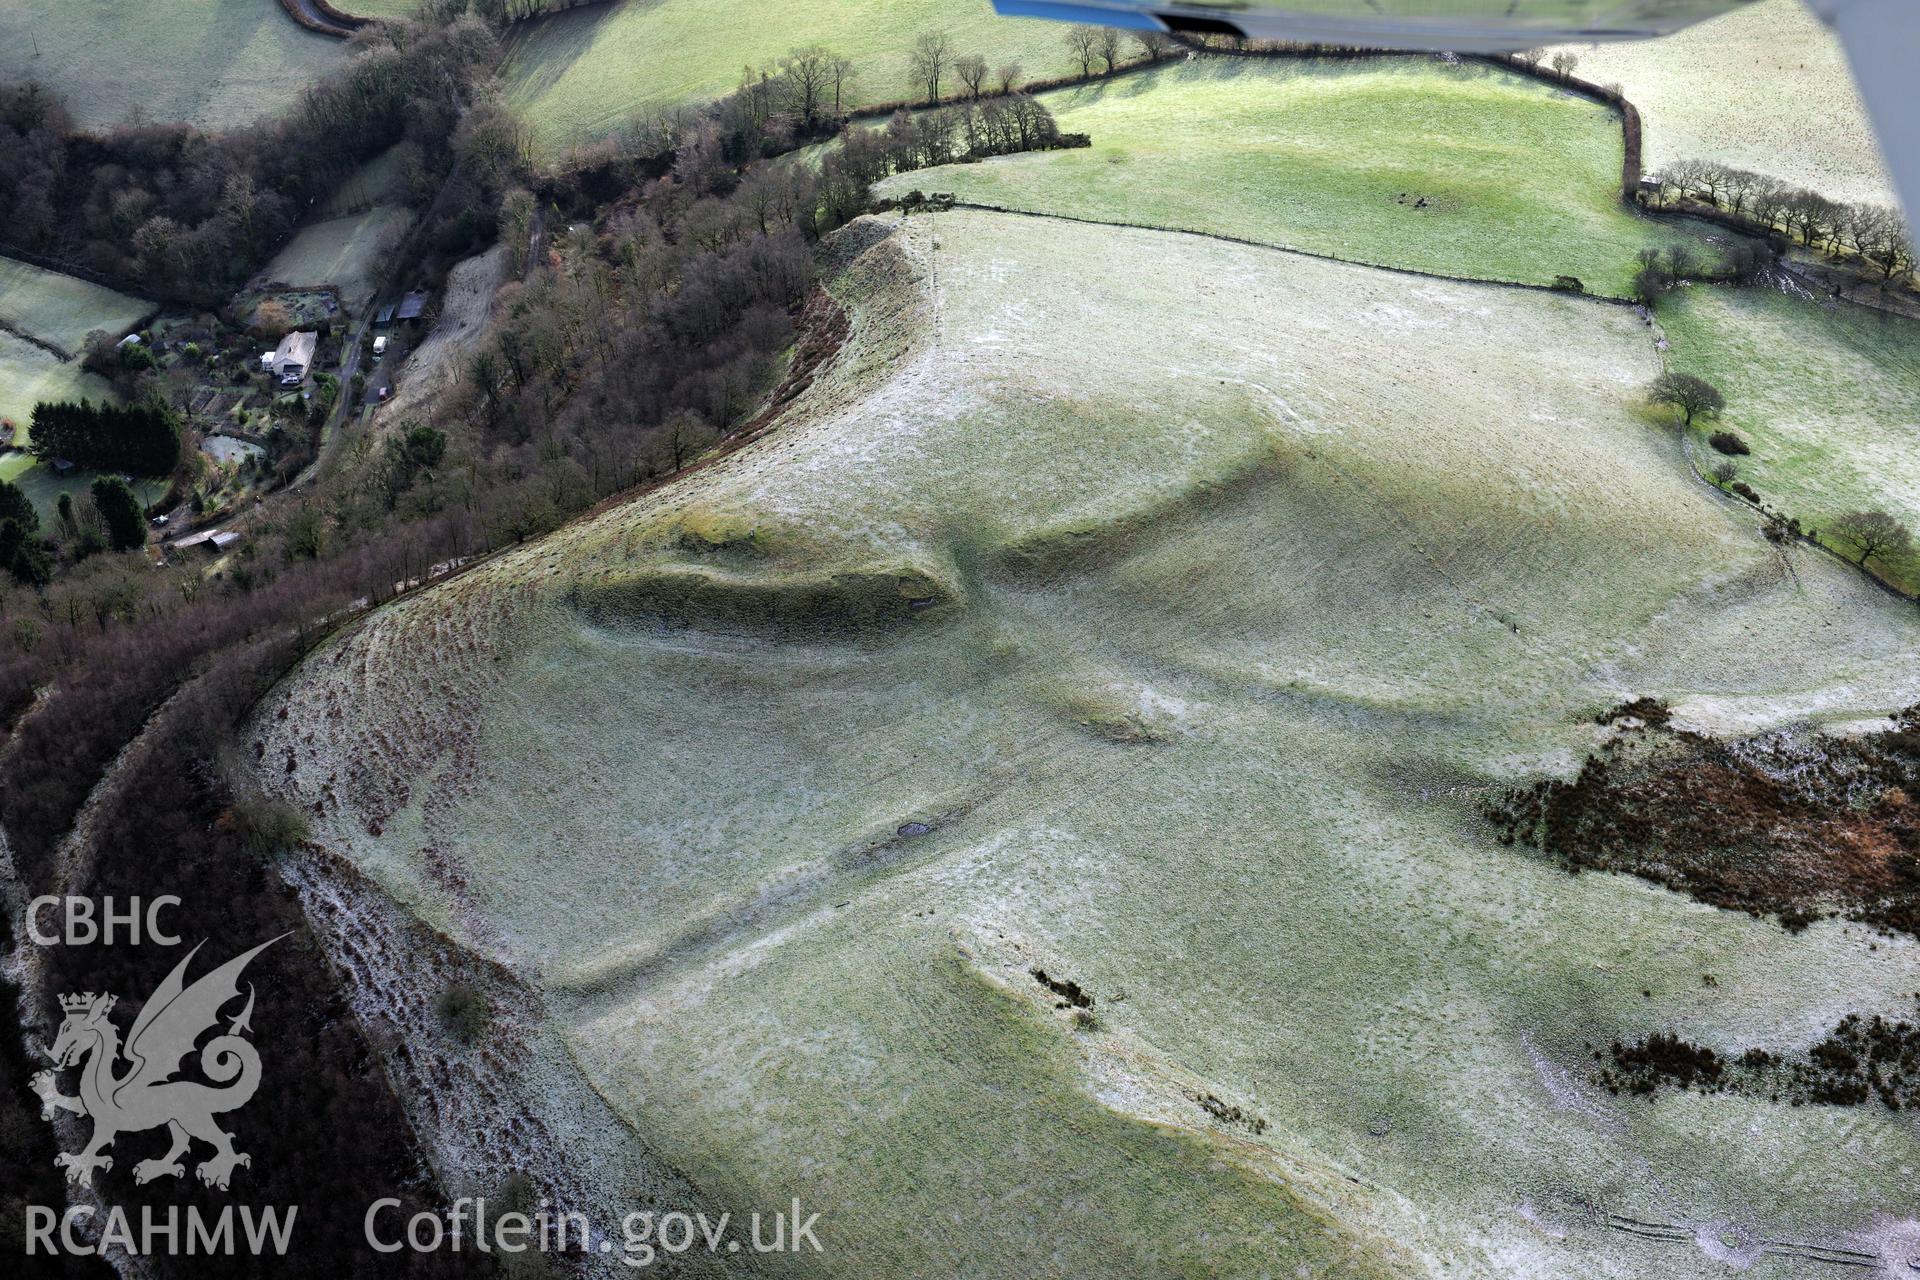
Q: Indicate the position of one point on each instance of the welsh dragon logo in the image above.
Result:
(145, 1095)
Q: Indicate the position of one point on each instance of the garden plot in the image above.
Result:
(1519, 182)
(1826, 394)
(218, 64)
(1154, 613)
(1763, 88)
(346, 253)
(591, 72)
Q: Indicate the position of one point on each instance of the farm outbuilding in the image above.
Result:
(213, 541)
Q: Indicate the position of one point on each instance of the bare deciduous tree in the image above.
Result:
(1564, 61)
(1691, 395)
(1154, 45)
(931, 57)
(1107, 45)
(1084, 44)
(806, 77)
(972, 70)
(843, 74)
(1008, 75)
(1871, 533)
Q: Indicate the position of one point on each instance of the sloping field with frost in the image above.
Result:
(1160, 629)
(1398, 162)
(1764, 88)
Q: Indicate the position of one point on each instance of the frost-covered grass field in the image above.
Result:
(214, 63)
(1827, 395)
(30, 375)
(1765, 88)
(62, 309)
(1521, 181)
(1093, 614)
(346, 252)
(59, 310)
(589, 72)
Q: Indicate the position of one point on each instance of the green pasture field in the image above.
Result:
(1765, 88)
(1158, 613)
(1333, 157)
(213, 63)
(590, 72)
(1826, 394)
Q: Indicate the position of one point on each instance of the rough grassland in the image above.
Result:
(214, 63)
(62, 309)
(589, 72)
(1827, 395)
(1765, 88)
(1521, 180)
(344, 252)
(1194, 645)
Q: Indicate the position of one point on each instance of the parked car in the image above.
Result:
(379, 346)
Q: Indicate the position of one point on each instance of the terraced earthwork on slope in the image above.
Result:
(1093, 616)
(1402, 162)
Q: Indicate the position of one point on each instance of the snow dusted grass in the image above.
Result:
(1521, 181)
(1827, 395)
(1189, 595)
(590, 72)
(30, 375)
(214, 63)
(345, 252)
(62, 309)
(1765, 88)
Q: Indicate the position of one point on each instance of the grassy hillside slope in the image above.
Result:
(214, 63)
(1521, 182)
(587, 73)
(1765, 88)
(1827, 395)
(1091, 614)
